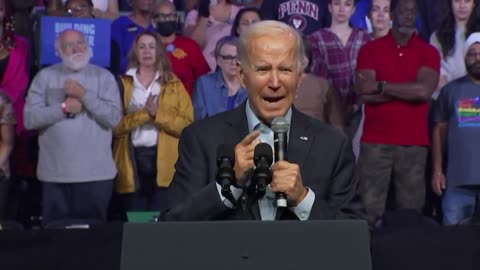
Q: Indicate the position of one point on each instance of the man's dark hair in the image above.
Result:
(393, 5)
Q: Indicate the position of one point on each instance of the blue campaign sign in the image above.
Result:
(96, 31)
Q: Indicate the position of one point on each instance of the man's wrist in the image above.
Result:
(380, 87)
(64, 107)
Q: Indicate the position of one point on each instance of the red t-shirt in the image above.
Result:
(397, 122)
(187, 61)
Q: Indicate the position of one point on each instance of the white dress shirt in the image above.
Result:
(146, 135)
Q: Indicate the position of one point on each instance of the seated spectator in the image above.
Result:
(315, 96)
(156, 108)
(245, 17)
(220, 91)
(72, 9)
(104, 9)
(210, 23)
(7, 133)
(74, 105)
(126, 28)
(184, 54)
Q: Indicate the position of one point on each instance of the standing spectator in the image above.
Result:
(156, 108)
(74, 105)
(184, 54)
(450, 38)
(456, 117)
(210, 23)
(14, 79)
(220, 91)
(315, 96)
(7, 133)
(245, 17)
(126, 28)
(335, 51)
(379, 15)
(104, 9)
(306, 16)
(396, 76)
(72, 9)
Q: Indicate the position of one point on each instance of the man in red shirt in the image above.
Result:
(396, 76)
(184, 53)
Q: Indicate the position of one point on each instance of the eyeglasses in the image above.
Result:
(77, 9)
(164, 17)
(228, 57)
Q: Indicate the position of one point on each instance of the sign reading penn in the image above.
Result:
(96, 31)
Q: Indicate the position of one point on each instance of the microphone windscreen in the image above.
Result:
(225, 151)
(263, 150)
(280, 125)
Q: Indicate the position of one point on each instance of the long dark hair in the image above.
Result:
(446, 31)
(236, 21)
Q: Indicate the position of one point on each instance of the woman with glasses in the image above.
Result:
(220, 91)
(156, 108)
(105, 9)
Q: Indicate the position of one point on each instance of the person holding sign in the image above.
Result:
(74, 105)
(156, 108)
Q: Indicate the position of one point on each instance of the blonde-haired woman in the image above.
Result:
(156, 109)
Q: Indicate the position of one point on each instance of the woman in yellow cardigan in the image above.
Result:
(156, 108)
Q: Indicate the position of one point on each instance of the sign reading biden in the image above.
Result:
(96, 31)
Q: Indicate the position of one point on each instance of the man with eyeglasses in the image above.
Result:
(185, 55)
(457, 127)
(74, 105)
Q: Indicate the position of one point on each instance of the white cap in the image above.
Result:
(472, 39)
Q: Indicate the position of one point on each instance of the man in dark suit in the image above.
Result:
(318, 178)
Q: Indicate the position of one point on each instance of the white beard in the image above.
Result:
(77, 61)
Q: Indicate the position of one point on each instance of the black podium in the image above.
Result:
(252, 245)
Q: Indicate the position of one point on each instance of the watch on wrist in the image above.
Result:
(380, 87)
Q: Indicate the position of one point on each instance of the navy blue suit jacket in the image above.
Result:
(323, 153)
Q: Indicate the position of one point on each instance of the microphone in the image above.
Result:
(225, 173)
(262, 176)
(280, 128)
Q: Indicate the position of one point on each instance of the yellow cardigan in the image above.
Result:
(175, 112)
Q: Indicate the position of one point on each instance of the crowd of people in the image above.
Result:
(382, 98)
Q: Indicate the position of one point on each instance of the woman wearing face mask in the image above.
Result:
(220, 91)
(156, 109)
(185, 55)
(245, 17)
(459, 23)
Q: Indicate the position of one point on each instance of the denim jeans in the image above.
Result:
(458, 204)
